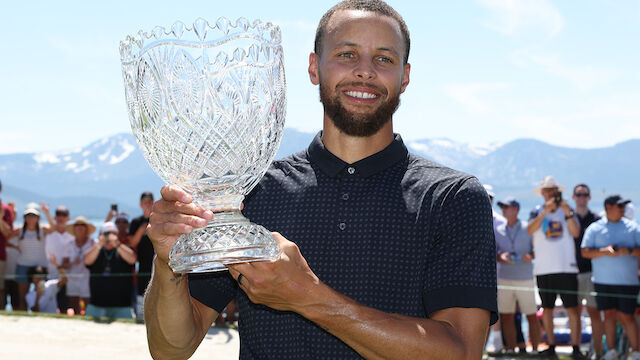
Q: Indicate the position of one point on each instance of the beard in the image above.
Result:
(353, 124)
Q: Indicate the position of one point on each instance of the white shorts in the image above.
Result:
(522, 291)
(78, 287)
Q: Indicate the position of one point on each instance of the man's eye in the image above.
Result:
(385, 59)
(346, 55)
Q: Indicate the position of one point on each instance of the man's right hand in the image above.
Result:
(173, 216)
(550, 205)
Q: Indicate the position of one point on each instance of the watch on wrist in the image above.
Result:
(569, 216)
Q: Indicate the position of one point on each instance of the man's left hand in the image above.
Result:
(285, 284)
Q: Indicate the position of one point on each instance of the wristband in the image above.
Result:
(569, 216)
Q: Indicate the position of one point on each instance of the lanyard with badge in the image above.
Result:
(512, 239)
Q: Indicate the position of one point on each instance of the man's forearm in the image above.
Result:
(174, 327)
(591, 253)
(536, 223)
(574, 227)
(375, 334)
(127, 254)
(5, 229)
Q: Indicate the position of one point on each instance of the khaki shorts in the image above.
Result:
(2, 268)
(585, 287)
(520, 291)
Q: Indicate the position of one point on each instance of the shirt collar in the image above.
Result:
(334, 166)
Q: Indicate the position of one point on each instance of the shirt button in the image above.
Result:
(345, 196)
(351, 170)
(342, 226)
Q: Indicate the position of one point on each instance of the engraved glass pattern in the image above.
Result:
(207, 104)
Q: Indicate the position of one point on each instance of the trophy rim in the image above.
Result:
(224, 29)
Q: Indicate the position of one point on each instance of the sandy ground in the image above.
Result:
(34, 337)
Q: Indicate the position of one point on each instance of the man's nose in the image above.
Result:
(364, 70)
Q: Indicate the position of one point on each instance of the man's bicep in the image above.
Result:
(471, 325)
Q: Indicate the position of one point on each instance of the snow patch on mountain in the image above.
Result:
(46, 157)
(128, 149)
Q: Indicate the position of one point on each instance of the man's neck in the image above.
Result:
(353, 148)
(581, 210)
(512, 222)
(61, 229)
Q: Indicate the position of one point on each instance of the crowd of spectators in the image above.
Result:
(66, 267)
(570, 253)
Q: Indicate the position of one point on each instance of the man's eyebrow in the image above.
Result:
(384, 48)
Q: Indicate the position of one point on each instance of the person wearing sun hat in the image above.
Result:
(78, 284)
(553, 226)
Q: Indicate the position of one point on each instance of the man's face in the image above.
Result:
(581, 196)
(510, 212)
(122, 225)
(614, 212)
(361, 71)
(146, 204)
(549, 193)
(61, 219)
(80, 231)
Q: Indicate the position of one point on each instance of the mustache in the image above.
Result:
(373, 87)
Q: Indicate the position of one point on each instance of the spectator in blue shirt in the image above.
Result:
(515, 274)
(612, 243)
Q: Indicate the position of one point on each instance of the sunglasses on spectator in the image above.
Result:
(581, 194)
(63, 214)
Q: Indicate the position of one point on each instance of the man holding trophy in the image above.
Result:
(382, 254)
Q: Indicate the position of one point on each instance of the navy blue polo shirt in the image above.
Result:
(392, 231)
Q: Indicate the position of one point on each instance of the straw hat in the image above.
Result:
(80, 220)
(548, 183)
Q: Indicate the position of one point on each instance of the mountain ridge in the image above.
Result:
(113, 170)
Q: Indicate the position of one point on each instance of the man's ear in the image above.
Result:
(314, 61)
(405, 77)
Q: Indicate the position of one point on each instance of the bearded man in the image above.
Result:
(384, 254)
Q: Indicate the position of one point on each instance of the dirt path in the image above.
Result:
(35, 337)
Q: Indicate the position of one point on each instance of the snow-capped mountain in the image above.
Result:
(113, 170)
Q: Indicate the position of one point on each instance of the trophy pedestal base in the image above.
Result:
(210, 248)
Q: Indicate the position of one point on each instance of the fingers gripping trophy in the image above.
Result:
(207, 106)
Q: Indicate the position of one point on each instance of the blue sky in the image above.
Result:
(483, 71)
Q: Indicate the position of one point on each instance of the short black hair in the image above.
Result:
(376, 6)
(146, 194)
(36, 272)
(581, 185)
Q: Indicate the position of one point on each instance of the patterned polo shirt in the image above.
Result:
(392, 231)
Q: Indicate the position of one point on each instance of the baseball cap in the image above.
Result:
(509, 201)
(108, 227)
(630, 211)
(615, 200)
(547, 183)
(31, 211)
(146, 194)
(122, 216)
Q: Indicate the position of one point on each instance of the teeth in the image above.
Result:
(361, 95)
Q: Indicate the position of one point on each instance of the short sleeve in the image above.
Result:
(589, 241)
(534, 213)
(637, 234)
(215, 290)
(461, 265)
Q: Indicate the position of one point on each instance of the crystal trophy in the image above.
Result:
(207, 104)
